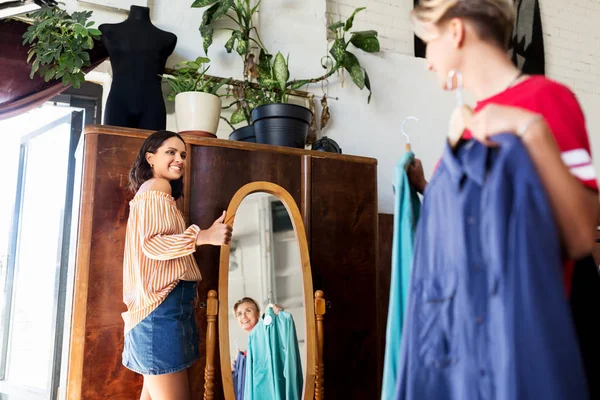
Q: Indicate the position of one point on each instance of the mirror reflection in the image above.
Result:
(267, 316)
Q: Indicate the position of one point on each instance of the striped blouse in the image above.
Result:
(158, 254)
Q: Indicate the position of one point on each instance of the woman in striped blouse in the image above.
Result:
(160, 273)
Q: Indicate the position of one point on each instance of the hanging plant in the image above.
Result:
(60, 44)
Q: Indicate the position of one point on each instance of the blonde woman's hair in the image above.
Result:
(493, 19)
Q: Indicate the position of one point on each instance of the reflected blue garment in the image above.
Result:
(273, 367)
(487, 315)
(239, 375)
(407, 208)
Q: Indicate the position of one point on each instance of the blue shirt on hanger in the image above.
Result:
(407, 208)
(487, 315)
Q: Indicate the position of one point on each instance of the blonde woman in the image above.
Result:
(471, 37)
(488, 320)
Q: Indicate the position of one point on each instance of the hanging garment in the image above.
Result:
(273, 367)
(487, 317)
(420, 47)
(527, 43)
(239, 375)
(407, 208)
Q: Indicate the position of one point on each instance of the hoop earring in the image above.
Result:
(459, 85)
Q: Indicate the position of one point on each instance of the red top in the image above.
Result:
(564, 116)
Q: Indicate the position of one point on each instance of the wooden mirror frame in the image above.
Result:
(308, 300)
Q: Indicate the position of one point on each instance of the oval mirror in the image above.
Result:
(266, 312)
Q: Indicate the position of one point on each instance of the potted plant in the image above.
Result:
(60, 44)
(197, 102)
(266, 100)
(242, 39)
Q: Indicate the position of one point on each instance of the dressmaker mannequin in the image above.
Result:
(138, 53)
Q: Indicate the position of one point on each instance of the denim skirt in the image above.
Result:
(166, 341)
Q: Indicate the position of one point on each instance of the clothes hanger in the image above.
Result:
(407, 145)
(270, 300)
(461, 114)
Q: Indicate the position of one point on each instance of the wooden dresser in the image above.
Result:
(337, 196)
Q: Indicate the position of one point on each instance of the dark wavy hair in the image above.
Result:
(142, 171)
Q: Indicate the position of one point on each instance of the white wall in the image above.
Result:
(401, 85)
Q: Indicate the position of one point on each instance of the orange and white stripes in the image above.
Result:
(579, 162)
(158, 254)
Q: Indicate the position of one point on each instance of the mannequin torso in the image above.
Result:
(138, 53)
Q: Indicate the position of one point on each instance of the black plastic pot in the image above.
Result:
(243, 134)
(281, 124)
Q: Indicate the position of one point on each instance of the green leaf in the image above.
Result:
(350, 21)
(370, 44)
(208, 16)
(242, 47)
(95, 32)
(207, 38)
(203, 3)
(298, 84)
(365, 33)
(202, 60)
(49, 75)
(336, 26)
(76, 82)
(230, 43)
(338, 50)
(34, 68)
(352, 65)
(235, 35)
(268, 83)
(216, 11)
(264, 64)
(218, 85)
(280, 70)
(368, 86)
(237, 116)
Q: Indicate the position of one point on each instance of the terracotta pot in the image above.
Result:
(197, 113)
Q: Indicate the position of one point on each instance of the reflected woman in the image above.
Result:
(247, 313)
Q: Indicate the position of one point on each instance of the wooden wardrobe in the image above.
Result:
(337, 196)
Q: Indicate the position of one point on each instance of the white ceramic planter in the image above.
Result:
(197, 113)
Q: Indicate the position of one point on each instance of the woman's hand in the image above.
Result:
(277, 308)
(416, 176)
(218, 234)
(494, 119)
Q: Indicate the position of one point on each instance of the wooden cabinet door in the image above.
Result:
(343, 241)
(95, 362)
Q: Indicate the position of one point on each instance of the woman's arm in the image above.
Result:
(574, 206)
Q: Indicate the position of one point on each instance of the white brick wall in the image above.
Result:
(572, 40)
(571, 34)
(388, 17)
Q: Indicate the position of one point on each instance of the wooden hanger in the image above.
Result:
(462, 114)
